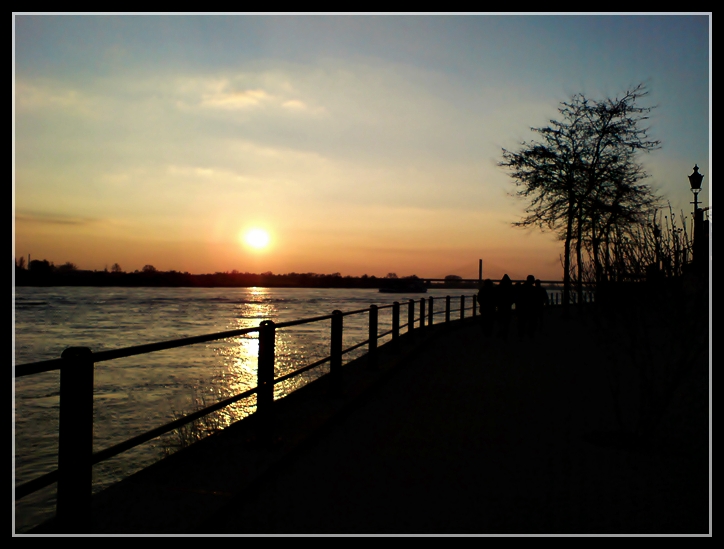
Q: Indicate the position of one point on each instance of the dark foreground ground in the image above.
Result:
(455, 433)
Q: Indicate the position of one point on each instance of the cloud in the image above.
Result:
(295, 105)
(188, 171)
(46, 95)
(42, 218)
(233, 100)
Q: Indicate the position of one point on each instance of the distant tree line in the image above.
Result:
(45, 273)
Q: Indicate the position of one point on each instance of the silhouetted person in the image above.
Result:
(517, 287)
(526, 308)
(486, 303)
(504, 302)
(541, 301)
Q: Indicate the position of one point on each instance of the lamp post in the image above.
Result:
(695, 180)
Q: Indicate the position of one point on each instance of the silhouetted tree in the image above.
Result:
(659, 245)
(581, 178)
(67, 267)
(149, 269)
(116, 268)
(41, 266)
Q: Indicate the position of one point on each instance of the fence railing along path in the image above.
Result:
(76, 365)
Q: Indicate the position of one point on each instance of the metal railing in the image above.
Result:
(75, 433)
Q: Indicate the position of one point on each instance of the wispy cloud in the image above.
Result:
(48, 95)
(295, 105)
(232, 100)
(41, 218)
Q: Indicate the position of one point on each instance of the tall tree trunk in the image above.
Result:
(595, 248)
(567, 258)
(579, 257)
(607, 256)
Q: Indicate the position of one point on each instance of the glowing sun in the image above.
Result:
(257, 238)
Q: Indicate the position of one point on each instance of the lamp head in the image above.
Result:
(695, 180)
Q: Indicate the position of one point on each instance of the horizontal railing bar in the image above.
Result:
(36, 484)
(326, 317)
(356, 312)
(103, 455)
(322, 361)
(100, 356)
(357, 346)
(32, 368)
(383, 334)
(302, 370)
(301, 321)
(48, 478)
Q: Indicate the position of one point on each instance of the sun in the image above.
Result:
(257, 238)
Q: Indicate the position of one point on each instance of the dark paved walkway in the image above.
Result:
(477, 436)
(456, 434)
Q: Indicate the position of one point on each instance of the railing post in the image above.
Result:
(335, 354)
(429, 312)
(265, 376)
(462, 307)
(372, 351)
(396, 324)
(447, 308)
(422, 312)
(410, 315)
(75, 441)
(475, 305)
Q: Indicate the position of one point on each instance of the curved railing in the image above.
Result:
(76, 365)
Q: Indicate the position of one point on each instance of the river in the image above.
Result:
(136, 394)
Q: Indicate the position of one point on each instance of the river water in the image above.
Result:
(136, 394)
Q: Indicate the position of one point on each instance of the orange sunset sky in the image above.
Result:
(361, 144)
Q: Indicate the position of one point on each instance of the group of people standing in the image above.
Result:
(496, 306)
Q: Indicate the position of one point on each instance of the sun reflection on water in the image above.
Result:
(294, 348)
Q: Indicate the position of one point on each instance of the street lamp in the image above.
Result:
(695, 180)
(699, 239)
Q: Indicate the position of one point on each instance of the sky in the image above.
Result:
(361, 143)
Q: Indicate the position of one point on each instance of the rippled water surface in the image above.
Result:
(135, 394)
